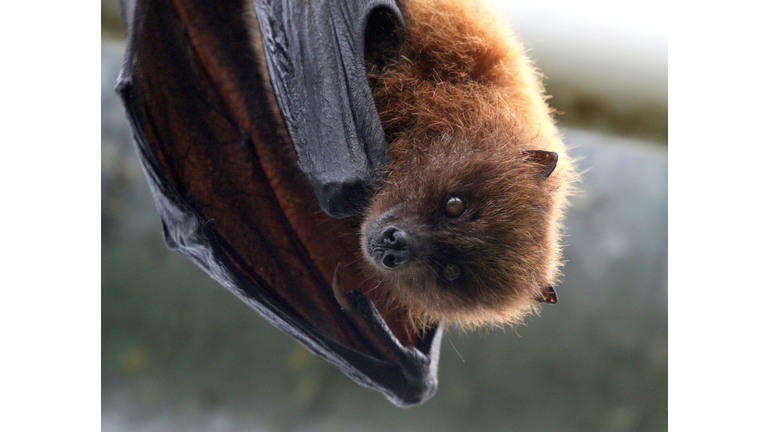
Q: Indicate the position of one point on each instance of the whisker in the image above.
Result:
(454, 348)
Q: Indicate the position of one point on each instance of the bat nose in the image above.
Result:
(391, 247)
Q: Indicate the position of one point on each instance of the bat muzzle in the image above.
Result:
(392, 245)
(391, 241)
(390, 248)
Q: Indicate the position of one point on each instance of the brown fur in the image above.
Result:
(460, 105)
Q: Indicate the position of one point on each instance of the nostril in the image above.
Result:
(389, 260)
(388, 235)
(393, 237)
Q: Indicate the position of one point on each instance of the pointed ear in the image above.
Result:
(547, 160)
(548, 295)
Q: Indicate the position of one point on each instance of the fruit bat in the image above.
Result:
(334, 164)
(465, 225)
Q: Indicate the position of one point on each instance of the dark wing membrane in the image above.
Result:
(315, 54)
(233, 200)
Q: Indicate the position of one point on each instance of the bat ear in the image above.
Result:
(546, 159)
(384, 33)
(548, 295)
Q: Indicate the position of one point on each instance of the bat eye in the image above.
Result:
(455, 207)
(451, 272)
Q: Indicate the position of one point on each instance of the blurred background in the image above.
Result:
(179, 352)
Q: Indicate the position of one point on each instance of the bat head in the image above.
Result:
(465, 236)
